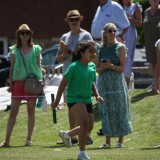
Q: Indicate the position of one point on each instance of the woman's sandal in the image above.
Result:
(104, 146)
(4, 145)
(28, 143)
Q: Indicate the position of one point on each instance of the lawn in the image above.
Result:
(145, 113)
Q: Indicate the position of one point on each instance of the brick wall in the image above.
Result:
(45, 17)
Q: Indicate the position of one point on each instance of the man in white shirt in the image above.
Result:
(109, 12)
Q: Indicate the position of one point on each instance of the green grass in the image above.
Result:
(145, 113)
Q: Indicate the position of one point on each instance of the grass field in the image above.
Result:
(145, 113)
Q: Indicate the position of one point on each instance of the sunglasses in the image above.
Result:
(24, 33)
(111, 31)
(74, 19)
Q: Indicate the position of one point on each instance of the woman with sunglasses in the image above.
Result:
(31, 55)
(67, 45)
(114, 112)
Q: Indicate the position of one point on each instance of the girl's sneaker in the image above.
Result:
(66, 141)
(83, 157)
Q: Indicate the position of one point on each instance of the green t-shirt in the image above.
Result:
(19, 71)
(80, 79)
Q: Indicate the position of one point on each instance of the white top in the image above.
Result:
(111, 12)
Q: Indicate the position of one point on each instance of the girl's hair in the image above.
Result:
(30, 43)
(81, 48)
(106, 27)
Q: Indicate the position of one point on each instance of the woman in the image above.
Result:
(114, 112)
(152, 34)
(79, 79)
(31, 55)
(134, 14)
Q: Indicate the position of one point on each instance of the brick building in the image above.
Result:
(45, 18)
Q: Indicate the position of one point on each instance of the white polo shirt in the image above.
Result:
(111, 12)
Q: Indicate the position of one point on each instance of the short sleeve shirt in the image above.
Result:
(72, 40)
(111, 12)
(19, 70)
(80, 79)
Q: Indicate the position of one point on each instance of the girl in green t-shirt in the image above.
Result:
(79, 79)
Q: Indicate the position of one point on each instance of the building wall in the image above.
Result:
(45, 17)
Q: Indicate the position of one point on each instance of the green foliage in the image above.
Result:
(145, 114)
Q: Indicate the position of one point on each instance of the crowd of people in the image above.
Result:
(109, 51)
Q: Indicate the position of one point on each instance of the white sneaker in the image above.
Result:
(120, 145)
(83, 157)
(66, 141)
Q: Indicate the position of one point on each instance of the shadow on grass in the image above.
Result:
(150, 148)
(141, 96)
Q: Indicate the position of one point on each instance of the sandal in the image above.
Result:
(120, 145)
(4, 145)
(28, 143)
(104, 146)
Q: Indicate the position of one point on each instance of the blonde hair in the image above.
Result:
(106, 27)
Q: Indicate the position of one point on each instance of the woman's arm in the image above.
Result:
(137, 21)
(11, 72)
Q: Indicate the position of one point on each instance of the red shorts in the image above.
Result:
(19, 93)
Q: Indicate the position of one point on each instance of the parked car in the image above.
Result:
(53, 73)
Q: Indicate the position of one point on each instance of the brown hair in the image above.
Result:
(30, 43)
(81, 48)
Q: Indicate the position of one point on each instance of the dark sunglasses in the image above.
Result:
(111, 30)
(74, 19)
(24, 33)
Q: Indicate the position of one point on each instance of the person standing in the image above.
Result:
(114, 112)
(31, 54)
(67, 45)
(134, 14)
(109, 12)
(157, 45)
(79, 95)
(151, 25)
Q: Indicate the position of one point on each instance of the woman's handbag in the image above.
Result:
(31, 84)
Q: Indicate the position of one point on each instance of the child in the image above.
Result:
(79, 79)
